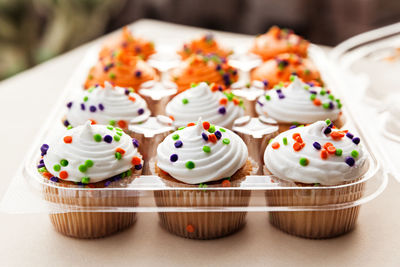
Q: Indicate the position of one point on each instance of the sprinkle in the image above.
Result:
(223, 101)
(92, 121)
(135, 142)
(97, 137)
(190, 124)
(222, 130)
(122, 124)
(86, 98)
(131, 98)
(66, 123)
(120, 150)
(175, 136)
(298, 146)
(350, 161)
(118, 155)
(281, 96)
(218, 134)
(107, 183)
(68, 139)
(275, 145)
(41, 165)
(181, 128)
(324, 154)
(328, 121)
(222, 110)
(47, 174)
(54, 179)
(136, 161)
(338, 152)
(138, 73)
(117, 138)
(312, 97)
(206, 149)
(205, 137)
(107, 138)
(327, 130)
(285, 142)
(138, 167)
(110, 128)
(64, 162)
(211, 129)
(178, 144)
(317, 145)
(63, 175)
(292, 127)
(267, 97)
(82, 106)
(185, 101)
(89, 163)
(140, 112)
(112, 75)
(190, 165)
(212, 138)
(69, 104)
(69, 127)
(356, 140)
(331, 149)
(354, 153)
(349, 135)
(327, 144)
(296, 137)
(112, 122)
(43, 169)
(226, 141)
(57, 167)
(190, 228)
(173, 157)
(206, 125)
(303, 161)
(119, 133)
(337, 135)
(317, 102)
(265, 82)
(226, 183)
(85, 180)
(82, 168)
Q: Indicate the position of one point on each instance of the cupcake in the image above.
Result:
(328, 165)
(280, 68)
(129, 44)
(86, 157)
(221, 108)
(200, 68)
(199, 157)
(299, 103)
(122, 70)
(278, 41)
(205, 45)
(108, 105)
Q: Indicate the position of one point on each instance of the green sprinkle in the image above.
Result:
(270, 141)
(119, 133)
(181, 128)
(285, 141)
(43, 169)
(307, 71)
(190, 165)
(325, 105)
(69, 127)
(268, 97)
(85, 98)
(303, 161)
(110, 128)
(128, 173)
(206, 149)
(112, 75)
(328, 121)
(97, 137)
(82, 168)
(339, 105)
(193, 85)
(185, 101)
(354, 153)
(57, 167)
(222, 130)
(226, 141)
(175, 136)
(306, 87)
(211, 129)
(64, 162)
(322, 92)
(118, 155)
(117, 138)
(202, 186)
(317, 184)
(112, 122)
(85, 180)
(331, 97)
(312, 97)
(292, 77)
(118, 129)
(89, 163)
(338, 152)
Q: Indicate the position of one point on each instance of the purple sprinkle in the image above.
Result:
(41, 161)
(44, 148)
(349, 135)
(107, 183)
(265, 82)
(205, 137)
(292, 127)
(127, 91)
(330, 125)
(331, 106)
(310, 84)
(92, 109)
(101, 107)
(138, 167)
(350, 161)
(220, 88)
(54, 179)
(327, 130)
(234, 72)
(138, 73)
(218, 67)
(41, 165)
(222, 110)
(316, 145)
(218, 134)
(135, 142)
(173, 157)
(356, 140)
(140, 111)
(83, 106)
(66, 123)
(281, 96)
(178, 144)
(278, 91)
(69, 105)
(138, 49)
(107, 138)
(313, 92)
(261, 104)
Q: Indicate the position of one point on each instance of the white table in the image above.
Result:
(30, 240)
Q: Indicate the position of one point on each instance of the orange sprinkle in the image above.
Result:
(191, 124)
(63, 175)
(171, 117)
(275, 145)
(298, 146)
(122, 124)
(206, 125)
(131, 98)
(136, 161)
(223, 101)
(236, 101)
(324, 154)
(68, 139)
(47, 175)
(295, 135)
(120, 150)
(190, 228)
(214, 88)
(337, 135)
(327, 145)
(92, 122)
(226, 183)
(212, 138)
(317, 102)
(331, 149)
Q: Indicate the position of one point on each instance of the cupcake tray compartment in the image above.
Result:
(25, 193)
(370, 62)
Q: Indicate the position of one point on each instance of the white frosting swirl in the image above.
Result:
(201, 101)
(82, 147)
(284, 161)
(107, 104)
(223, 160)
(294, 104)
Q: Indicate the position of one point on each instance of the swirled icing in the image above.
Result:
(322, 155)
(183, 154)
(78, 147)
(206, 45)
(201, 101)
(299, 102)
(107, 105)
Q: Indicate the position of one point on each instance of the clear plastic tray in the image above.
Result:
(28, 188)
(375, 83)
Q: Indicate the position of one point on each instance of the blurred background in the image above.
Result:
(32, 31)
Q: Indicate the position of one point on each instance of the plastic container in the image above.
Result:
(25, 194)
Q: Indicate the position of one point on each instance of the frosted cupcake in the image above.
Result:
(108, 105)
(278, 41)
(299, 103)
(202, 156)
(280, 68)
(319, 157)
(217, 107)
(90, 156)
(205, 45)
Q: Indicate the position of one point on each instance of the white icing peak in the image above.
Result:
(316, 161)
(105, 105)
(95, 148)
(201, 101)
(299, 102)
(187, 156)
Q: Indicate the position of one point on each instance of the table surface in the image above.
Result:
(30, 240)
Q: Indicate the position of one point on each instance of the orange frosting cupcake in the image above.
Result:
(205, 45)
(129, 44)
(279, 69)
(122, 70)
(277, 41)
(200, 68)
